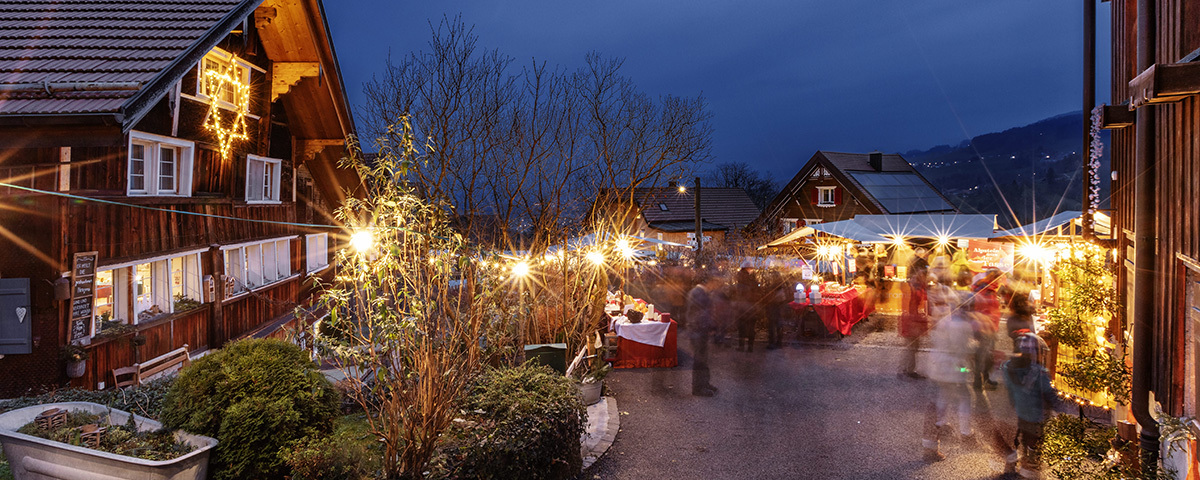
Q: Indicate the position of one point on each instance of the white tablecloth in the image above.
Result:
(647, 332)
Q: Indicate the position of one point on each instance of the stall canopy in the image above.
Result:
(1061, 224)
(885, 228)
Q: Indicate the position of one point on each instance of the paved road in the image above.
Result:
(812, 410)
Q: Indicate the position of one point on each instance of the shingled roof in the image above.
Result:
(103, 57)
(727, 207)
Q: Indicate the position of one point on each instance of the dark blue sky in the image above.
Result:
(783, 78)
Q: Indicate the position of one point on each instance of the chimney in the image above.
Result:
(877, 160)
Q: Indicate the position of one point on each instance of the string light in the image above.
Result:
(217, 81)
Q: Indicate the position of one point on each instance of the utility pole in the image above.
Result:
(699, 221)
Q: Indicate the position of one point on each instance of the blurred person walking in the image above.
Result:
(949, 367)
(747, 306)
(1030, 392)
(700, 309)
(986, 304)
(914, 322)
(1020, 318)
(779, 293)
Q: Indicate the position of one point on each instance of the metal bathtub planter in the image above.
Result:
(33, 458)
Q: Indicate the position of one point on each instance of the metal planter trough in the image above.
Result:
(33, 458)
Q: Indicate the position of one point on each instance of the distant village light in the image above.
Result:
(682, 189)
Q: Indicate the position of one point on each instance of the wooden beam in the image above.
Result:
(284, 75)
(309, 148)
(1116, 116)
(1164, 83)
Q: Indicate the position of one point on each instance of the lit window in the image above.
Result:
(221, 62)
(318, 251)
(262, 179)
(159, 165)
(826, 196)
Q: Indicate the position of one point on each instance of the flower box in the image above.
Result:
(38, 458)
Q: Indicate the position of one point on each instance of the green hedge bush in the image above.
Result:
(255, 397)
(530, 426)
(350, 453)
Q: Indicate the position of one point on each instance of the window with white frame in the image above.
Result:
(253, 265)
(826, 196)
(156, 287)
(812, 221)
(317, 255)
(220, 63)
(789, 224)
(159, 166)
(262, 179)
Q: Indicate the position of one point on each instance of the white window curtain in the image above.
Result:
(283, 258)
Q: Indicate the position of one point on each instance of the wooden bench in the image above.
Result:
(141, 372)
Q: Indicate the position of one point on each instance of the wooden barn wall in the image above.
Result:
(1177, 178)
(28, 250)
(242, 314)
(186, 328)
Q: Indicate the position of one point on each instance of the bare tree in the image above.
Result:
(521, 155)
(761, 188)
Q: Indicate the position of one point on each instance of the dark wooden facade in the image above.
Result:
(1176, 142)
(302, 125)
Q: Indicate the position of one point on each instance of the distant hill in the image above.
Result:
(1039, 160)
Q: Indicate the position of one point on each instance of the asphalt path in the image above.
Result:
(816, 409)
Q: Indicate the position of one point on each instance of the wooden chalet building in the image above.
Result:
(162, 158)
(835, 186)
(666, 213)
(1155, 152)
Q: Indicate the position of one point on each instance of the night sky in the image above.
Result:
(783, 78)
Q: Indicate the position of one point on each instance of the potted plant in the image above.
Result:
(76, 358)
(591, 386)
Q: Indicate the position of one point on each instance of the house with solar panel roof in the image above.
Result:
(168, 169)
(835, 186)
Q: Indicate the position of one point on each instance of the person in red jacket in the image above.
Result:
(987, 306)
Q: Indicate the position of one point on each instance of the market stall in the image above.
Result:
(646, 338)
(840, 307)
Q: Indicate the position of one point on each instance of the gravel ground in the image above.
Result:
(819, 408)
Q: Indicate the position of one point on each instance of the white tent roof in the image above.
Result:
(883, 228)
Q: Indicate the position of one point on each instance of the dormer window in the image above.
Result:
(663, 207)
(159, 166)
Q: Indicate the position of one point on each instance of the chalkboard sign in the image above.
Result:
(78, 328)
(83, 290)
(81, 308)
(85, 264)
(84, 286)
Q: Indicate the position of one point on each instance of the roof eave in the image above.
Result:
(140, 104)
(65, 119)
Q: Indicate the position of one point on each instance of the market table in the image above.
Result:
(839, 313)
(633, 353)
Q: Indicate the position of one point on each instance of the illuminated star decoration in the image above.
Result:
(216, 80)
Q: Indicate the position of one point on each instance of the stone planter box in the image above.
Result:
(33, 458)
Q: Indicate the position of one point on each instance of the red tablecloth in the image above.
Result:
(631, 354)
(838, 314)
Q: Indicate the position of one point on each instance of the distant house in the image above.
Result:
(666, 213)
(168, 160)
(835, 186)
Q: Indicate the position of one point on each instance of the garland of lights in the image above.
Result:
(1090, 367)
(1095, 151)
(216, 81)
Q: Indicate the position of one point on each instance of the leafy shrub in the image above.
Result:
(145, 399)
(529, 427)
(344, 455)
(255, 397)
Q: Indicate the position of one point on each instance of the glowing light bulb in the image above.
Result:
(362, 240)
(520, 269)
(596, 258)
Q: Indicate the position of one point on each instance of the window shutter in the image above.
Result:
(16, 317)
(816, 196)
(837, 196)
(254, 180)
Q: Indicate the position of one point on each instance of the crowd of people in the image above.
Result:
(955, 312)
(960, 315)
